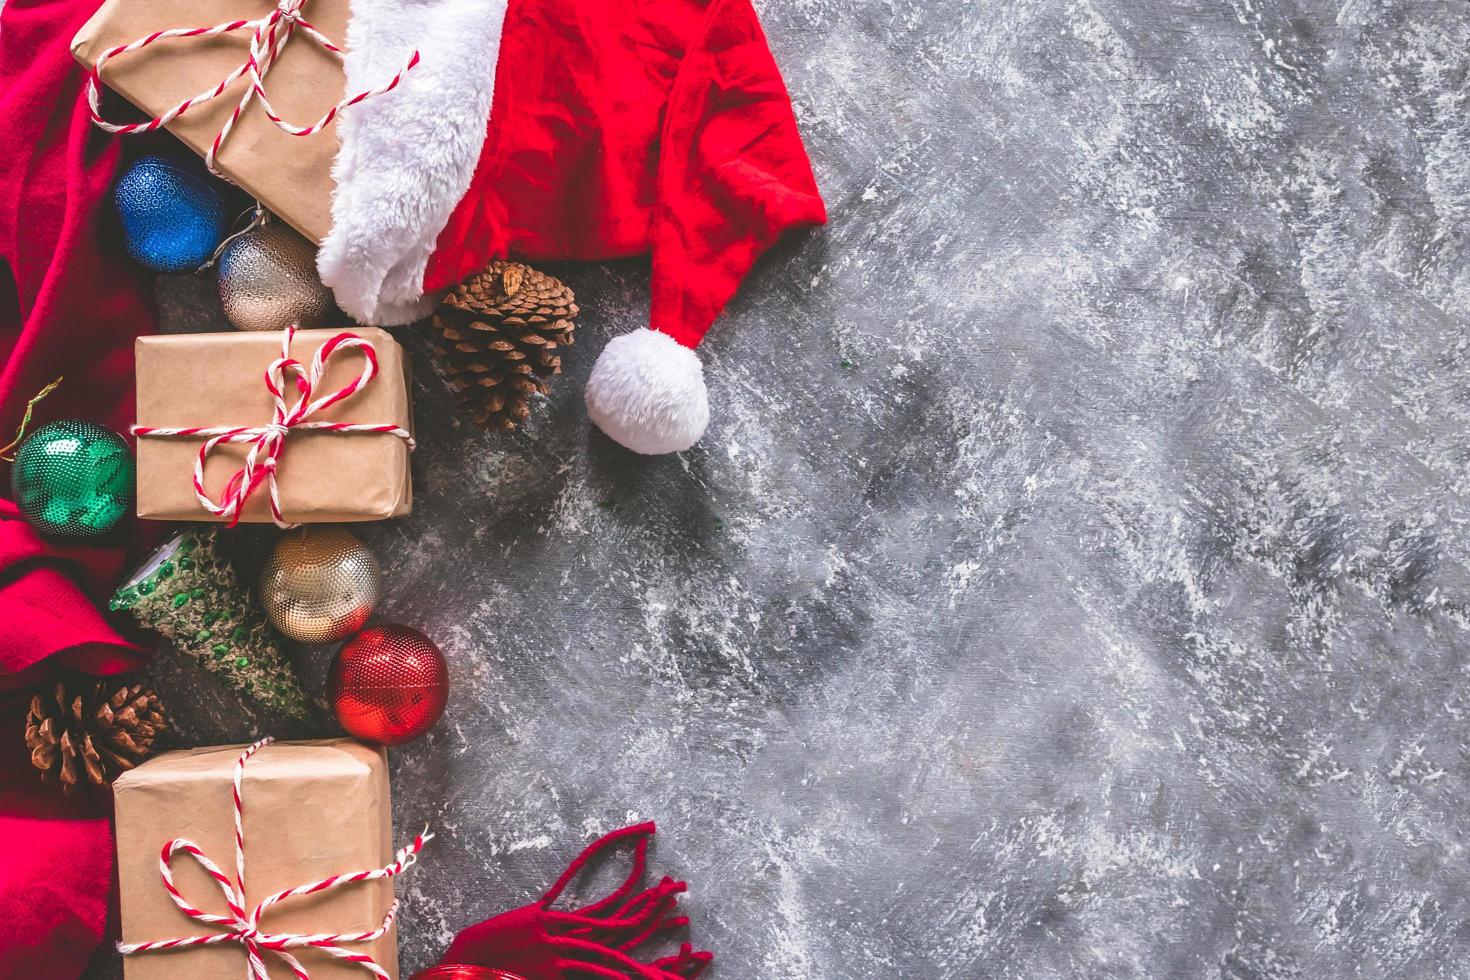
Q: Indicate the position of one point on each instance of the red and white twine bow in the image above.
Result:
(269, 35)
(244, 925)
(267, 442)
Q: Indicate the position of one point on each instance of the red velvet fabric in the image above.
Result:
(636, 127)
(597, 940)
(66, 308)
(47, 619)
(74, 305)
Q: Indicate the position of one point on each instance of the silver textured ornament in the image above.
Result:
(320, 584)
(268, 280)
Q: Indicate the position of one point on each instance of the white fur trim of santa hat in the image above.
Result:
(647, 393)
(407, 156)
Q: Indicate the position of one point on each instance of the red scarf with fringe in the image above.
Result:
(538, 942)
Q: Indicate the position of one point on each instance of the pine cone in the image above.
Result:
(497, 335)
(94, 733)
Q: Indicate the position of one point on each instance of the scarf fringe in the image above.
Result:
(602, 934)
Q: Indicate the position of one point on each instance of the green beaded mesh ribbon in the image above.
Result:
(190, 594)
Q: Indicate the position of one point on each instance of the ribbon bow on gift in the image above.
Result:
(244, 926)
(269, 35)
(267, 442)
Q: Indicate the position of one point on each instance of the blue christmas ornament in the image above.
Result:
(172, 218)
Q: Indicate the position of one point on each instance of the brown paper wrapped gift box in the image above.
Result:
(311, 809)
(291, 175)
(217, 379)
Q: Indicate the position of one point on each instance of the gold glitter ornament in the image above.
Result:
(320, 584)
(268, 280)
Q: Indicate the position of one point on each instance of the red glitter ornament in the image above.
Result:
(457, 972)
(388, 684)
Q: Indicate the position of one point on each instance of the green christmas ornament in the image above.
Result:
(189, 592)
(73, 479)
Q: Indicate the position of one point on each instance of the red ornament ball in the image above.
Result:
(388, 684)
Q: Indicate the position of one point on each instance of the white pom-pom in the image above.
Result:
(647, 392)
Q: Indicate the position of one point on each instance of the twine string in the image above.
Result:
(7, 451)
(259, 217)
(268, 37)
(243, 925)
(268, 442)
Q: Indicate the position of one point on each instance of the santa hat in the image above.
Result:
(569, 129)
